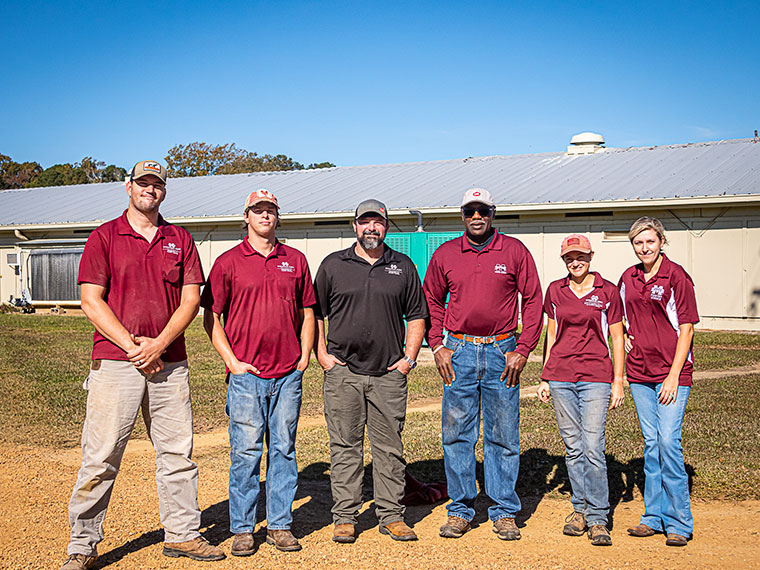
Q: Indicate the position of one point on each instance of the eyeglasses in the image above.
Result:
(258, 211)
(483, 211)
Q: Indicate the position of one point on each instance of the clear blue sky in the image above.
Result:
(372, 82)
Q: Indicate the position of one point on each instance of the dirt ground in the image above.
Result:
(35, 484)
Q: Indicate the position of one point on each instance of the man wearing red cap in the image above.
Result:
(262, 288)
(481, 274)
(140, 279)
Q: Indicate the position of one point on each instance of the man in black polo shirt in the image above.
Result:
(366, 292)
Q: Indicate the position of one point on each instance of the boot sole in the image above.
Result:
(172, 553)
(402, 538)
(451, 533)
(573, 531)
(344, 539)
(294, 548)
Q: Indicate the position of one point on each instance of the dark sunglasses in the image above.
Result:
(483, 211)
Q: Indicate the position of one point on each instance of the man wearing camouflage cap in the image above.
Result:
(140, 279)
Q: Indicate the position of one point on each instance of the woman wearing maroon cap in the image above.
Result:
(579, 375)
(660, 312)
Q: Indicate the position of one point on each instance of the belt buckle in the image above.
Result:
(477, 340)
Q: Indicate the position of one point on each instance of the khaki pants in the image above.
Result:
(351, 401)
(116, 393)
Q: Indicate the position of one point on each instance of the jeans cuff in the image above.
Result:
(459, 516)
(278, 527)
(504, 517)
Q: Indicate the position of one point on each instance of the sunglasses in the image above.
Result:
(483, 211)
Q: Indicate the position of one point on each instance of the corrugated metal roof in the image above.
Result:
(690, 170)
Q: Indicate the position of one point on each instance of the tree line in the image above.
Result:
(193, 159)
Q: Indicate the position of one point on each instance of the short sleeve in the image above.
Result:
(415, 306)
(216, 293)
(191, 263)
(322, 292)
(548, 304)
(685, 297)
(615, 309)
(94, 266)
(307, 297)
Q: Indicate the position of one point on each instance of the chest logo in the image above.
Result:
(285, 267)
(500, 268)
(594, 301)
(657, 292)
(393, 269)
(172, 248)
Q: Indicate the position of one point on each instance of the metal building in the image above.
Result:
(706, 194)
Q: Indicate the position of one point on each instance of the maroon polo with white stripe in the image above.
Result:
(143, 280)
(654, 310)
(581, 352)
(259, 298)
(483, 288)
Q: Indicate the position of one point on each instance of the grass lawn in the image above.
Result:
(44, 360)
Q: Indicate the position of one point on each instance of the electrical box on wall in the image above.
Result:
(12, 259)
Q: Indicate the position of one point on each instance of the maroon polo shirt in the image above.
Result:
(581, 352)
(483, 288)
(259, 298)
(654, 310)
(143, 280)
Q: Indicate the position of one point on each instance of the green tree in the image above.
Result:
(17, 174)
(203, 159)
(113, 173)
(315, 165)
(59, 175)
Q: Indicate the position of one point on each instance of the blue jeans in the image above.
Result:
(259, 408)
(477, 369)
(667, 506)
(581, 410)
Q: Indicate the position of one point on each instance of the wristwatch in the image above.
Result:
(412, 363)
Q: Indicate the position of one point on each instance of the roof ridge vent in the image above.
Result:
(585, 143)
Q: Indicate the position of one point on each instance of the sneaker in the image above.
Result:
(79, 562)
(599, 535)
(398, 530)
(196, 549)
(674, 539)
(455, 527)
(344, 533)
(506, 529)
(283, 540)
(243, 545)
(575, 524)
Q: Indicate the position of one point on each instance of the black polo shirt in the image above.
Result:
(366, 306)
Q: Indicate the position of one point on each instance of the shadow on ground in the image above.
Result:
(541, 474)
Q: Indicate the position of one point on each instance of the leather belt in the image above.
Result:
(482, 339)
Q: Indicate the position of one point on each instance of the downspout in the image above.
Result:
(20, 236)
(419, 219)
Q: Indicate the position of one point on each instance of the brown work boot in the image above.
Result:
(344, 533)
(575, 524)
(398, 531)
(506, 529)
(283, 540)
(674, 539)
(641, 530)
(455, 527)
(79, 562)
(599, 535)
(196, 549)
(243, 545)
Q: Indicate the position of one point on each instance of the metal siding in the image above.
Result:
(701, 169)
(53, 275)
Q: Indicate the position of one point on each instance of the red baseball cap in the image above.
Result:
(575, 242)
(260, 195)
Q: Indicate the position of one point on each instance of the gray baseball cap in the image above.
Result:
(371, 207)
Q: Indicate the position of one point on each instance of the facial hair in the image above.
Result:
(370, 240)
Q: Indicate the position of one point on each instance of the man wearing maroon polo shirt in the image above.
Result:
(140, 279)
(263, 290)
(480, 361)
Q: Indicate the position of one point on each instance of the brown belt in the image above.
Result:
(482, 339)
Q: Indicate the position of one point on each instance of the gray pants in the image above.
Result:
(351, 401)
(116, 393)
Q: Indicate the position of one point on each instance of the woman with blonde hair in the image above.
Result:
(660, 312)
(579, 375)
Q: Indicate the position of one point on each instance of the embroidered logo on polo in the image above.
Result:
(594, 301)
(172, 248)
(500, 268)
(657, 292)
(285, 267)
(393, 269)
